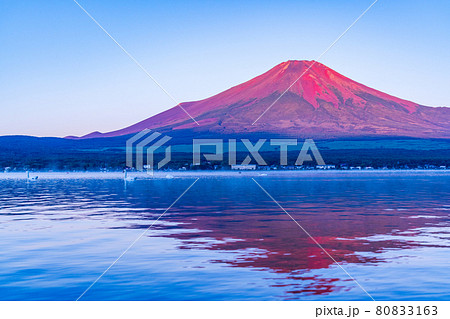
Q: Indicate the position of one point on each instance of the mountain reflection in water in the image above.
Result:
(226, 236)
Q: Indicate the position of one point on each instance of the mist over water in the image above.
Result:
(225, 239)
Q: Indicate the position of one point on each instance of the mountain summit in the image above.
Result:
(321, 104)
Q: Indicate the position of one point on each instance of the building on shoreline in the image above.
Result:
(249, 167)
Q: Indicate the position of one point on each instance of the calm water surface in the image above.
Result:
(225, 239)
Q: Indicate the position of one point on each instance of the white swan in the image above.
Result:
(31, 178)
(128, 178)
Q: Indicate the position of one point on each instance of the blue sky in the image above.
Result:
(61, 75)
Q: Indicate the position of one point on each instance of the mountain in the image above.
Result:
(321, 104)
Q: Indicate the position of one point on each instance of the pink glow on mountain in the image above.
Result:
(321, 103)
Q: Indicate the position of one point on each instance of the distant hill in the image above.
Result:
(26, 152)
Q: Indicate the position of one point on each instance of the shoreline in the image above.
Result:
(229, 173)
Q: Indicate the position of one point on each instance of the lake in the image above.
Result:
(225, 238)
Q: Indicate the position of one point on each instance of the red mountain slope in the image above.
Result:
(322, 104)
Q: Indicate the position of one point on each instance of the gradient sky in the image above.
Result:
(61, 75)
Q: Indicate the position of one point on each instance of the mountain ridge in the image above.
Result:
(321, 104)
